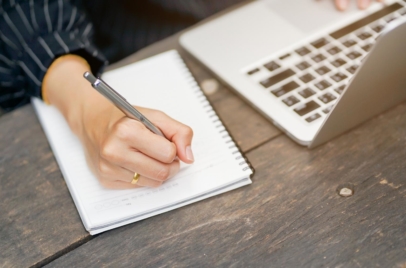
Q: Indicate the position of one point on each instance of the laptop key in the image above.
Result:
(338, 62)
(307, 92)
(272, 66)
(338, 77)
(353, 55)
(367, 47)
(334, 50)
(277, 78)
(289, 101)
(378, 28)
(285, 89)
(340, 89)
(318, 58)
(364, 35)
(302, 51)
(253, 71)
(328, 109)
(320, 43)
(284, 56)
(307, 78)
(322, 70)
(313, 117)
(326, 98)
(303, 65)
(389, 19)
(352, 69)
(306, 108)
(349, 43)
(322, 85)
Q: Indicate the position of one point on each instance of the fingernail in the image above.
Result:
(189, 154)
(342, 4)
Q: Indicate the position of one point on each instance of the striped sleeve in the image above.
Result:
(32, 34)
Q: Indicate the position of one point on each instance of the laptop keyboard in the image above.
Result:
(310, 79)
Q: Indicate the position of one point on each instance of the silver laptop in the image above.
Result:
(313, 71)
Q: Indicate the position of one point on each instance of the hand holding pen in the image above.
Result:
(152, 141)
(116, 146)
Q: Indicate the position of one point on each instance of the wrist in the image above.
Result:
(64, 87)
(55, 67)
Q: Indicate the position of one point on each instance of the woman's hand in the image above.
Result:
(362, 4)
(116, 146)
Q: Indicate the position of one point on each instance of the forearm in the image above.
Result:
(66, 89)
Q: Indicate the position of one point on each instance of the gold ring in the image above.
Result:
(136, 177)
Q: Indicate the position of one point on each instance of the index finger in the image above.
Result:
(180, 134)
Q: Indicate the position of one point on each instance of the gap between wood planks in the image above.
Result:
(64, 251)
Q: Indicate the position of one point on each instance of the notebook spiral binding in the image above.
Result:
(233, 148)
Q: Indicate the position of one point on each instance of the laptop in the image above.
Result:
(315, 72)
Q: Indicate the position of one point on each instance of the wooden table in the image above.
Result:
(291, 216)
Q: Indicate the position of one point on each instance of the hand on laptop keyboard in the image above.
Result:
(362, 4)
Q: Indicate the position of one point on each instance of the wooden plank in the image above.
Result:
(291, 216)
(38, 219)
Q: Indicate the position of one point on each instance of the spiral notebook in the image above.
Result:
(162, 82)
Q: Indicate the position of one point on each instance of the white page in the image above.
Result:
(162, 82)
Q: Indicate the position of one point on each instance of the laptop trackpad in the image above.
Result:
(310, 15)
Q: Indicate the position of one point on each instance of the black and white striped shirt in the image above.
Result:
(33, 33)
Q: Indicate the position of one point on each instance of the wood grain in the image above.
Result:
(38, 220)
(291, 216)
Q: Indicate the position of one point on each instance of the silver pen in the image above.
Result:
(120, 102)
